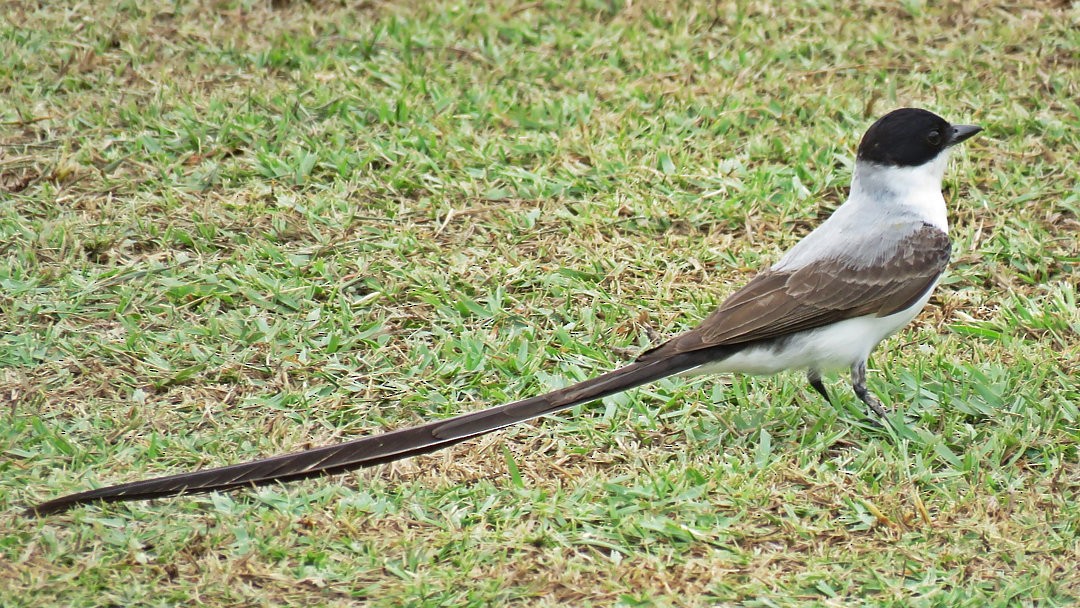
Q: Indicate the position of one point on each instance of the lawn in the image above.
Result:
(237, 229)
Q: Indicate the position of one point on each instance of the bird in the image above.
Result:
(860, 276)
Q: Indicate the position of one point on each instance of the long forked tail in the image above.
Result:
(377, 449)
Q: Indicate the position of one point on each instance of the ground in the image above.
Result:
(237, 229)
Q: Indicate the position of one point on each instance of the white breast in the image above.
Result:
(832, 347)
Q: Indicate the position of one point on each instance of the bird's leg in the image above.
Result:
(858, 382)
(654, 336)
(814, 376)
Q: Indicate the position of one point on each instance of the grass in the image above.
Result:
(236, 229)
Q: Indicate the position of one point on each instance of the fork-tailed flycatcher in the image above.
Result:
(860, 276)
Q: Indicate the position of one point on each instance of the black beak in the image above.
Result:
(962, 132)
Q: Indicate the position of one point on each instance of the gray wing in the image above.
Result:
(781, 302)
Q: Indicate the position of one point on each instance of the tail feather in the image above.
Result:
(376, 449)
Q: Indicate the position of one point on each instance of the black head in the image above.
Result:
(910, 137)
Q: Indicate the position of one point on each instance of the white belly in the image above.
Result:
(836, 346)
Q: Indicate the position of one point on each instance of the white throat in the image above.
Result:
(904, 191)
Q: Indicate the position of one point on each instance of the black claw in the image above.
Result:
(858, 382)
(871, 401)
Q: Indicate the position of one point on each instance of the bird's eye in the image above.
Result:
(934, 138)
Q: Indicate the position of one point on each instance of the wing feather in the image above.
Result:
(779, 302)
